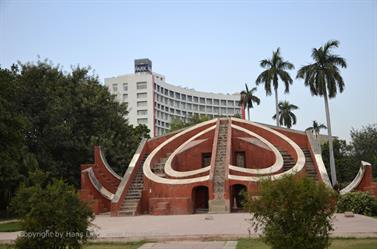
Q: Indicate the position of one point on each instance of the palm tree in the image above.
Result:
(286, 116)
(316, 128)
(324, 79)
(248, 98)
(275, 68)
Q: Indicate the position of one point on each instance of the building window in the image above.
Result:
(202, 101)
(202, 108)
(141, 103)
(230, 111)
(223, 102)
(189, 98)
(125, 86)
(142, 120)
(230, 102)
(216, 102)
(209, 109)
(206, 159)
(216, 110)
(195, 107)
(115, 87)
(177, 95)
(237, 103)
(141, 85)
(183, 96)
(183, 105)
(189, 106)
(141, 95)
(209, 101)
(142, 112)
(125, 97)
(171, 93)
(196, 99)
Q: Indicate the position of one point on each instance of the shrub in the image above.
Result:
(358, 203)
(293, 213)
(52, 216)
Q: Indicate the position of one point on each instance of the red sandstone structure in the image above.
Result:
(204, 168)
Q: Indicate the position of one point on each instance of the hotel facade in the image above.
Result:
(154, 102)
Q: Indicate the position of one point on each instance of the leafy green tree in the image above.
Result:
(286, 115)
(364, 142)
(12, 142)
(347, 165)
(248, 98)
(178, 123)
(51, 119)
(293, 213)
(324, 79)
(52, 215)
(316, 128)
(276, 68)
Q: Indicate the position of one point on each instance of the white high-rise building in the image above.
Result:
(154, 102)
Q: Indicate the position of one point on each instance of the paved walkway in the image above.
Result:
(202, 227)
(191, 245)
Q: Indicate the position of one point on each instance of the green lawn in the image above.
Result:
(336, 244)
(10, 226)
(130, 245)
(101, 245)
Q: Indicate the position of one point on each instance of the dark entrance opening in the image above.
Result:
(200, 199)
(238, 198)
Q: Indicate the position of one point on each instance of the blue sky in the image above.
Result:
(207, 45)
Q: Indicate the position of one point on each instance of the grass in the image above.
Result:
(336, 244)
(113, 245)
(10, 226)
(99, 245)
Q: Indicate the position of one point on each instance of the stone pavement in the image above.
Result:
(191, 245)
(201, 227)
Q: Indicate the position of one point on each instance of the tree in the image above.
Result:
(275, 68)
(248, 98)
(287, 117)
(12, 142)
(347, 164)
(179, 123)
(293, 212)
(324, 79)
(52, 213)
(316, 128)
(364, 142)
(51, 119)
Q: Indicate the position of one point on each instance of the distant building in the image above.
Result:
(154, 102)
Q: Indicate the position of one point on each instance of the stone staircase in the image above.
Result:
(309, 165)
(158, 169)
(133, 196)
(287, 159)
(219, 204)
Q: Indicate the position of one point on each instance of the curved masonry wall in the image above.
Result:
(174, 181)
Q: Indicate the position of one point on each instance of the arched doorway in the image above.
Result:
(200, 199)
(237, 197)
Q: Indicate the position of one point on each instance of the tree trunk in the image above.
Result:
(277, 107)
(248, 113)
(330, 138)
